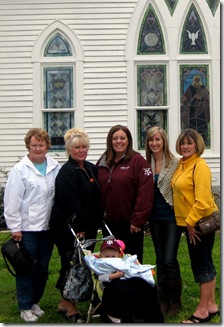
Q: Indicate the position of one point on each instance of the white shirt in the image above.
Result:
(29, 196)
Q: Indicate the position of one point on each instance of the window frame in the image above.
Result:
(39, 62)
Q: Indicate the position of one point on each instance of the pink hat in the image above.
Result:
(112, 244)
(121, 244)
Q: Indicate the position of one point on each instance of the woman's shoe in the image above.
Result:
(196, 320)
(75, 318)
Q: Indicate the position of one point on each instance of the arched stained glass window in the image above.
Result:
(213, 5)
(58, 96)
(171, 4)
(150, 39)
(193, 38)
(57, 46)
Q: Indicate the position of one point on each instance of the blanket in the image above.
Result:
(127, 265)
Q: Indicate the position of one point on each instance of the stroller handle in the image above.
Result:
(109, 231)
(86, 243)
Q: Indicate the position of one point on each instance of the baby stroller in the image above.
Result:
(131, 300)
(78, 282)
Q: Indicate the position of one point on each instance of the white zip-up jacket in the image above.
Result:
(29, 196)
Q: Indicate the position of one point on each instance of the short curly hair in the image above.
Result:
(40, 134)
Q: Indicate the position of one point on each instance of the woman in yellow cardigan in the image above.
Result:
(193, 200)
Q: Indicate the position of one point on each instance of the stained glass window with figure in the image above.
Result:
(195, 100)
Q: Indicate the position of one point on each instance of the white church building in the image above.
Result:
(93, 64)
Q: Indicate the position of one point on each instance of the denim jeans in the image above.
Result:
(30, 288)
(166, 237)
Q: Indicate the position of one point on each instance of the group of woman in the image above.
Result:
(124, 190)
(183, 195)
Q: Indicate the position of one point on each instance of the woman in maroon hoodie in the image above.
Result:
(126, 183)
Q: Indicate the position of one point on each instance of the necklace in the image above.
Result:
(91, 179)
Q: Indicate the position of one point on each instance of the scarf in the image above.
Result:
(165, 176)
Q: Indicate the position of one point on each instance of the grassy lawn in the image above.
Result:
(9, 312)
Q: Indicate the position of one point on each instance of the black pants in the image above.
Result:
(132, 300)
(166, 238)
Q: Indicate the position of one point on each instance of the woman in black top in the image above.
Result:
(77, 194)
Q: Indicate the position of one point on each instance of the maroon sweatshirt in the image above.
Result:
(127, 190)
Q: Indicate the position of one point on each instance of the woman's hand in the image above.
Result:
(193, 234)
(134, 229)
(17, 236)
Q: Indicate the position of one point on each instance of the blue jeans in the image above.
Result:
(166, 238)
(201, 258)
(30, 288)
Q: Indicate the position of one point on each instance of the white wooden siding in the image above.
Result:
(101, 28)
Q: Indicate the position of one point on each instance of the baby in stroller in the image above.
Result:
(130, 293)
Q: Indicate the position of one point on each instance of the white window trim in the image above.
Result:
(39, 62)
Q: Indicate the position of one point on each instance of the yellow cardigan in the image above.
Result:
(192, 194)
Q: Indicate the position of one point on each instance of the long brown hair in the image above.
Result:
(110, 154)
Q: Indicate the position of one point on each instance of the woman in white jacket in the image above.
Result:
(28, 199)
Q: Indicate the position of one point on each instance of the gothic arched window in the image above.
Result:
(57, 46)
(151, 77)
(193, 40)
(150, 37)
(58, 97)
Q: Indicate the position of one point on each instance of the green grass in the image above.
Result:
(9, 311)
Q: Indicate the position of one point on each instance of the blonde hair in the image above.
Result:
(191, 135)
(74, 137)
(167, 153)
(40, 134)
